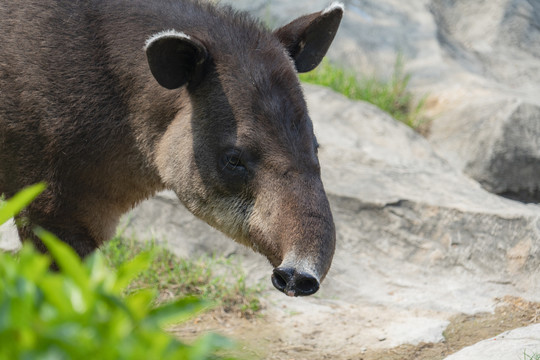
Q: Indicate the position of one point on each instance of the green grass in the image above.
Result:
(390, 95)
(176, 277)
(533, 356)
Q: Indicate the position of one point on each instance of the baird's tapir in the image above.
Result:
(110, 101)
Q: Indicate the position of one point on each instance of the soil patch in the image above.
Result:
(466, 330)
(258, 339)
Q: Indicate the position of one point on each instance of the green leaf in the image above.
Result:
(100, 274)
(114, 302)
(52, 287)
(31, 265)
(207, 345)
(177, 311)
(67, 259)
(13, 206)
(79, 311)
(130, 270)
(139, 303)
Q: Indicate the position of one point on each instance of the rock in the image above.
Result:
(372, 33)
(493, 133)
(498, 40)
(407, 201)
(520, 343)
(496, 142)
(449, 47)
(9, 239)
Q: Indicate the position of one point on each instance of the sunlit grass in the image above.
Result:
(203, 277)
(531, 356)
(390, 95)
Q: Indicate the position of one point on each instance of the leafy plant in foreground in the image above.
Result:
(80, 312)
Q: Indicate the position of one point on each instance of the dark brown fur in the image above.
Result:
(80, 110)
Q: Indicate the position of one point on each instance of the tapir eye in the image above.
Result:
(232, 160)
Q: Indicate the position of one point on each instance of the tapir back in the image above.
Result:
(73, 113)
(58, 96)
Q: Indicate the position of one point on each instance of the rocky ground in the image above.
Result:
(262, 339)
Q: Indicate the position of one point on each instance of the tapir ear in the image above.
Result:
(175, 58)
(308, 38)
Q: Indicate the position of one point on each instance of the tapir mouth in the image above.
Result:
(294, 283)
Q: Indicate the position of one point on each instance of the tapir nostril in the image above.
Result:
(293, 283)
(281, 277)
(306, 285)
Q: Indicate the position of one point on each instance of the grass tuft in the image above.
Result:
(533, 356)
(391, 95)
(175, 277)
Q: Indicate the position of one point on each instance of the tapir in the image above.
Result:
(111, 101)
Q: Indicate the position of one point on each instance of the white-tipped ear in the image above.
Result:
(334, 6)
(175, 58)
(308, 38)
(163, 34)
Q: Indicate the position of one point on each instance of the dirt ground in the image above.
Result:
(260, 339)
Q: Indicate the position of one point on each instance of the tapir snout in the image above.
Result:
(296, 221)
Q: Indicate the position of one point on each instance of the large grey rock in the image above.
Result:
(450, 46)
(399, 198)
(9, 239)
(498, 39)
(522, 343)
(371, 34)
(496, 142)
(493, 136)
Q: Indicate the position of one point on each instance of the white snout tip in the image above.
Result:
(301, 264)
(334, 6)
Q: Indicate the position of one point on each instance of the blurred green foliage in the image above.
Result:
(81, 312)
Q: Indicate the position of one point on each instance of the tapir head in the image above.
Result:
(241, 153)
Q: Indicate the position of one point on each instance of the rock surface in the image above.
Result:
(494, 135)
(497, 142)
(520, 343)
(9, 239)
